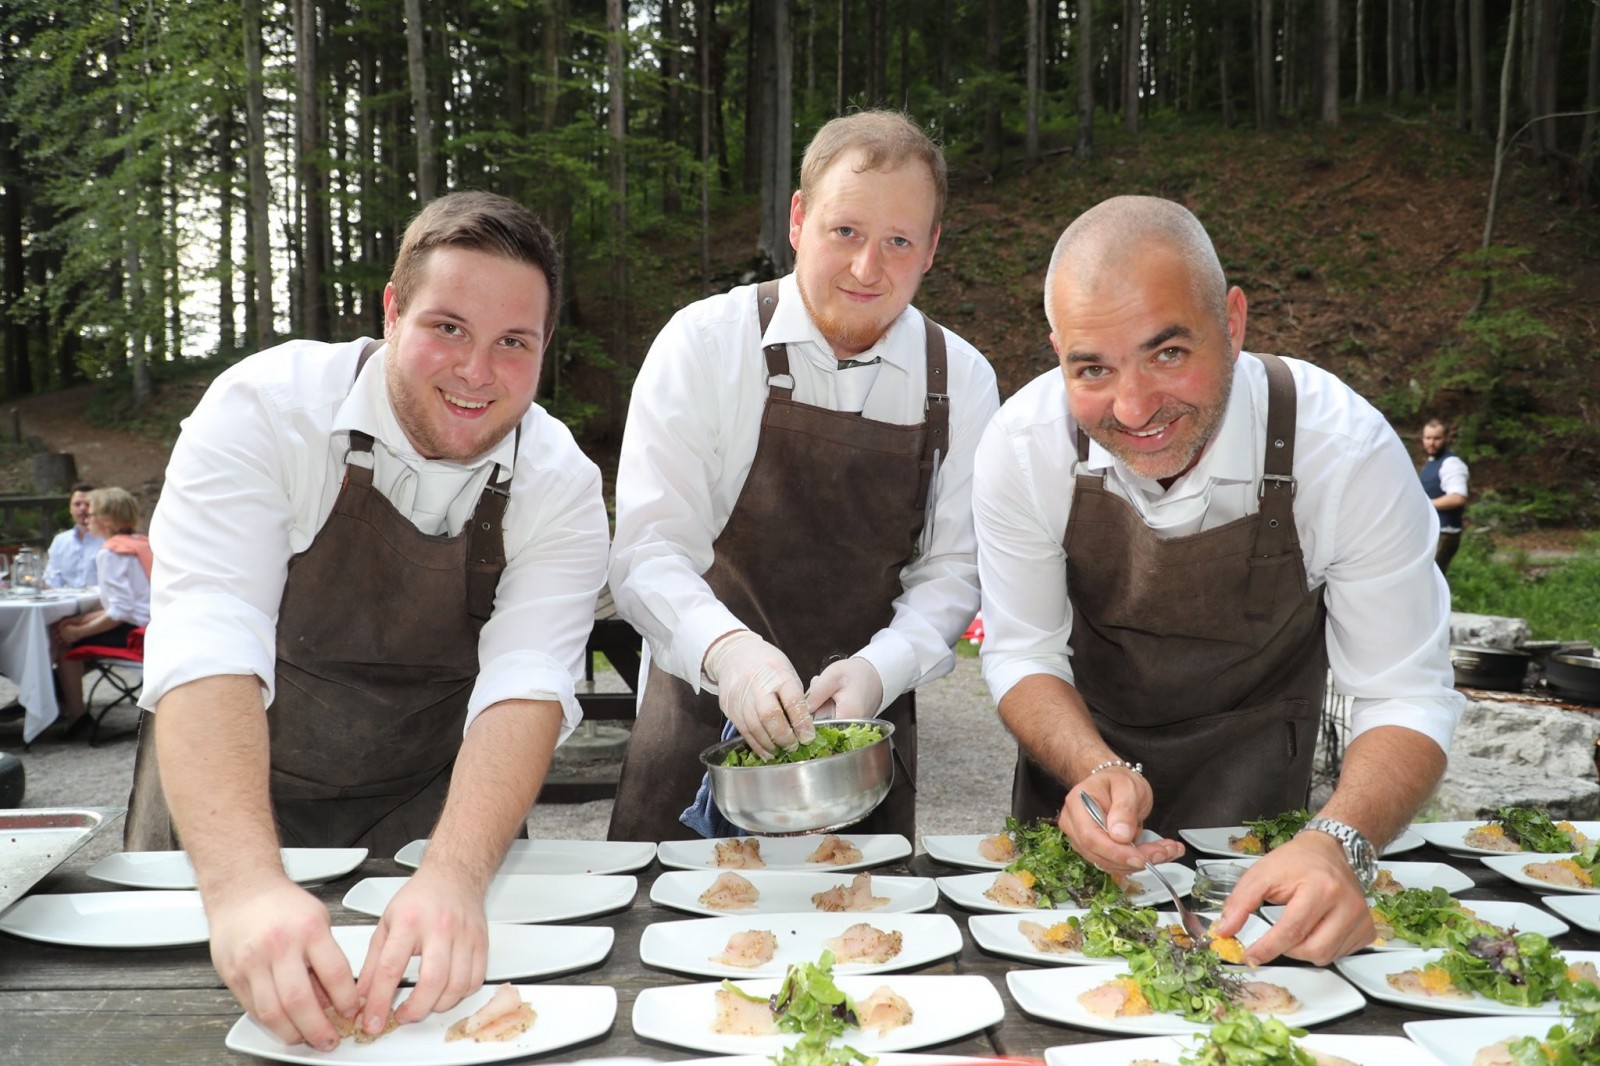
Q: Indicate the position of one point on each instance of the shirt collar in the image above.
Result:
(367, 410)
(791, 324)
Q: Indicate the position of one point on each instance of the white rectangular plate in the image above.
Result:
(785, 892)
(1214, 841)
(1511, 866)
(557, 856)
(789, 853)
(968, 890)
(1456, 1041)
(514, 950)
(519, 898)
(159, 919)
(962, 850)
(1581, 911)
(943, 1008)
(1451, 836)
(999, 933)
(1053, 995)
(567, 1015)
(688, 946)
(171, 869)
(1523, 917)
(1361, 1050)
(1368, 973)
(1428, 875)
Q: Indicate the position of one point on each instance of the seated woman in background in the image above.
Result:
(123, 566)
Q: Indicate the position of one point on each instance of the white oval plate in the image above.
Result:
(943, 1008)
(688, 946)
(999, 933)
(1053, 996)
(1457, 1041)
(568, 1014)
(172, 869)
(1367, 972)
(1361, 1050)
(1581, 911)
(1451, 836)
(1524, 917)
(556, 856)
(139, 919)
(968, 890)
(519, 898)
(514, 950)
(1215, 841)
(785, 892)
(1511, 866)
(789, 853)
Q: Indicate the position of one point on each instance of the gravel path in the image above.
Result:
(965, 773)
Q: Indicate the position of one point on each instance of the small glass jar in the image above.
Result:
(1213, 880)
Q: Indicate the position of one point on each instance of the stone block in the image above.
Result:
(1474, 787)
(1513, 733)
(1487, 630)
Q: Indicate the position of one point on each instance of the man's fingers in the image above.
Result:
(298, 1002)
(331, 978)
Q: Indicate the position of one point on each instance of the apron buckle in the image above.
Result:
(1279, 481)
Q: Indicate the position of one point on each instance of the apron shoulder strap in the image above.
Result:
(359, 441)
(936, 441)
(486, 542)
(777, 354)
(1277, 487)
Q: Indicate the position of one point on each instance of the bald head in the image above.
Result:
(1105, 243)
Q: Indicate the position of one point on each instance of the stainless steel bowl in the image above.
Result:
(815, 796)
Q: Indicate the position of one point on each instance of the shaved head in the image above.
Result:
(1105, 243)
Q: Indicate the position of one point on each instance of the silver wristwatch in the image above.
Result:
(1358, 850)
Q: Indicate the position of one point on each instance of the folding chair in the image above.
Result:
(105, 663)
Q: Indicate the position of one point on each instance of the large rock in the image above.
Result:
(1509, 732)
(1487, 630)
(1473, 787)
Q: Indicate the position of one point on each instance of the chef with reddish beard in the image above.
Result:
(1176, 540)
(794, 531)
(376, 565)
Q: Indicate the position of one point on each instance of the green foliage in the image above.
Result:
(1557, 601)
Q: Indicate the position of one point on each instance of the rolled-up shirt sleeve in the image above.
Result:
(533, 645)
(220, 537)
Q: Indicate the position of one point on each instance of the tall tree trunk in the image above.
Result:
(1266, 97)
(1408, 48)
(877, 40)
(839, 94)
(775, 78)
(616, 75)
(1391, 51)
(755, 43)
(1361, 51)
(702, 15)
(427, 181)
(1587, 148)
(1225, 66)
(13, 276)
(671, 108)
(258, 231)
(1032, 140)
(313, 220)
(1546, 64)
(227, 172)
(1132, 57)
(1507, 64)
(1330, 61)
(1463, 68)
(1083, 45)
(1479, 59)
(995, 24)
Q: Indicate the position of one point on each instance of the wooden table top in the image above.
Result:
(76, 1005)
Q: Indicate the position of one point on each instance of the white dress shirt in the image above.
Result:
(255, 474)
(1363, 521)
(1452, 478)
(690, 441)
(72, 559)
(124, 588)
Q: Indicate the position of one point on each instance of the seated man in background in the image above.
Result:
(72, 552)
(122, 571)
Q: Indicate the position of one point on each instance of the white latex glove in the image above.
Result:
(759, 692)
(847, 688)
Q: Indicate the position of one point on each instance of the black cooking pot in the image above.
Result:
(1573, 677)
(1502, 669)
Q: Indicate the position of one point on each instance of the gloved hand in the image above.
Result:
(759, 692)
(847, 688)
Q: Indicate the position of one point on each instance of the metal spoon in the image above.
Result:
(1191, 921)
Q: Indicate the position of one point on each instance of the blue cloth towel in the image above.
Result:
(702, 815)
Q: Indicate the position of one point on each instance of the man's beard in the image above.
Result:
(853, 336)
(1176, 458)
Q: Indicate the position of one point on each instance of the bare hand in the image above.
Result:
(273, 949)
(437, 915)
(1126, 799)
(1325, 917)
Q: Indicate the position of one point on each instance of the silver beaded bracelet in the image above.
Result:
(1136, 767)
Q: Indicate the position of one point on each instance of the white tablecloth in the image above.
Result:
(25, 650)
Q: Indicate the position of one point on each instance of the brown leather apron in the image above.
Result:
(377, 656)
(1203, 656)
(810, 560)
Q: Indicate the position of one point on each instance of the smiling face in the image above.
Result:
(464, 356)
(862, 242)
(1148, 363)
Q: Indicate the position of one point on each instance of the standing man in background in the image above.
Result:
(794, 490)
(1444, 476)
(73, 551)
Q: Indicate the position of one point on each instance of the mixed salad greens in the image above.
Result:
(1264, 834)
(830, 740)
(1533, 828)
(809, 1003)
(1060, 874)
(1243, 1039)
(1174, 980)
(1575, 1042)
(1519, 969)
(1430, 918)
